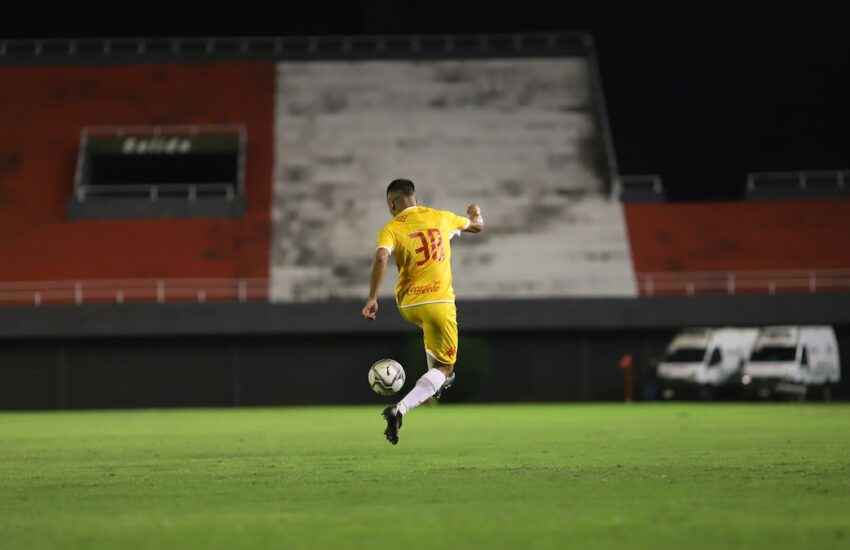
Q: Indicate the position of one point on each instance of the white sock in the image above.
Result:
(424, 389)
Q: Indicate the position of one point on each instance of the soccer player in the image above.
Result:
(420, 237)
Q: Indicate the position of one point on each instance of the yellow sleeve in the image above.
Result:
(386, 239)
(456, 223)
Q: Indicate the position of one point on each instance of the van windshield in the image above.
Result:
(774, 353)
(685, 355)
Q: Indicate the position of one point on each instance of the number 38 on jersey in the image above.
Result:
(432, 246)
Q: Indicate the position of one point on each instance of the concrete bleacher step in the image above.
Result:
(516, 136)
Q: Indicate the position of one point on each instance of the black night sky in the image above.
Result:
(699, 98)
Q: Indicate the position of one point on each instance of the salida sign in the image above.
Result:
(159, 145)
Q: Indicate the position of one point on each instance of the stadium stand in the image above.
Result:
(782, 245)
(520, 136)
(45, 110)
(516, 121)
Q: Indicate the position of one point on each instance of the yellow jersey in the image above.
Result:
(420, 237)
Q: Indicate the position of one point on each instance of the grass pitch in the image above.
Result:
(555, 476)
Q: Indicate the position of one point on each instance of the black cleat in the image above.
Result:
(446, 385)
(393, 424)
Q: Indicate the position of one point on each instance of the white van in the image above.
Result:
(793, 360)
(705, 360)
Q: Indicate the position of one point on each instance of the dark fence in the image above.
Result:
(269, 370)
(494, 366)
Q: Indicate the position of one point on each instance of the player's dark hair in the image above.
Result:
(402, 187)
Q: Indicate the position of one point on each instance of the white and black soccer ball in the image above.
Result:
(386, 377)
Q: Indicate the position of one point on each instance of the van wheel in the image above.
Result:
(706, 393)
(826, 392)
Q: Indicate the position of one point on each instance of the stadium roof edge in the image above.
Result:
(290, 47)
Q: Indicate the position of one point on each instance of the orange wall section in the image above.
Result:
(42, 111)
(739, 236)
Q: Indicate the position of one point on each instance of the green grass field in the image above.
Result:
(556, 476)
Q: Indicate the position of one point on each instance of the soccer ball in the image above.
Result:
(386, 377)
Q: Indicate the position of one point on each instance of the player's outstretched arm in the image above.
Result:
(476, 225)
(379, 267)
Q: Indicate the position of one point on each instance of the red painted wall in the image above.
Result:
(43, 109)
(740, 236)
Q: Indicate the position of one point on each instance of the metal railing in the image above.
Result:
(638, 186)
(801, 181)
(121, 291)
(743, 282)
(297, 47)
(157, 191)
